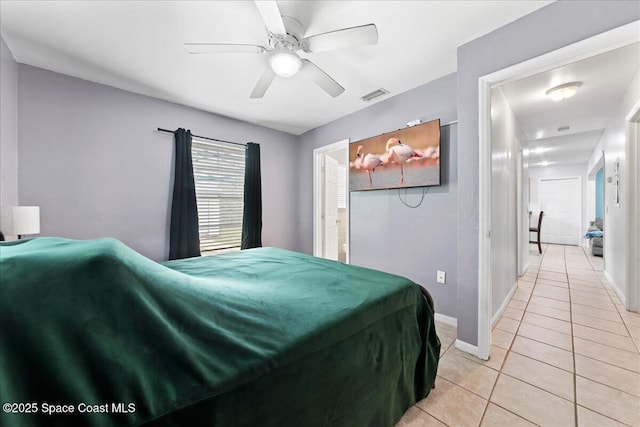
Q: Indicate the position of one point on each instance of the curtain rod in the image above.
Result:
(204, 137)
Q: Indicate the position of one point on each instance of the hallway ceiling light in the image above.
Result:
(564, 91)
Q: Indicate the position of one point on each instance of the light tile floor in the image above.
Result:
(564, 353)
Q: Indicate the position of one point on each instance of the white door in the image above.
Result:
(560, 200)
(330, 208)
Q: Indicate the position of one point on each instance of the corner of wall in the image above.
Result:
(8, 126)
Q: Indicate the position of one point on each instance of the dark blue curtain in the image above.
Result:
(252, 215)
(184, 236)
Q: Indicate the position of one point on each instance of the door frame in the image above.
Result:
(318, 195)
(581, 226)
(603, 42)
(522, 247)
(630, 176)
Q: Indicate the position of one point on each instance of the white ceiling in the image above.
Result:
(138, 46)
(605, 78)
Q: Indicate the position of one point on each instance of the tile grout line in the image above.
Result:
(573, 349)
(603, 344)
(511, 412)
(606, 363)
(578, 324)
(508, 351)
(530, 291)
(510, 346)
(626, 327)
(432, 416)
(575, 375)
(426, 412)
(537, 386)
(581, 355)
(589, 379)
(541, 361)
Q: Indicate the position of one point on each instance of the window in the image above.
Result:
(218, 170)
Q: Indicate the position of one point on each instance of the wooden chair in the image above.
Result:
(537, 230)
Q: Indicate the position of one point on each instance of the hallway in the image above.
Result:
(564, 353)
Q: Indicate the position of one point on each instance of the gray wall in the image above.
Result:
(385, 234)
(82, 147)
(90, 158)
(8, 128)
(504, 249)
(550, 28)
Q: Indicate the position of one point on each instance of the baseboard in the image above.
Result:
(612, 284)
(466, 347)
(504, 304)
(447, 320)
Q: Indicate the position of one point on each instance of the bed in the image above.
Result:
(96, 334)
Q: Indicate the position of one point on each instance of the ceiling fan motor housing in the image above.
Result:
(292, 40)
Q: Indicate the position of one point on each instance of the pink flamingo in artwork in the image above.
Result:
(400, 153)
(368, 162)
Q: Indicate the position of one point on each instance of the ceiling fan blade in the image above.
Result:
(271, 16)
(321, 78)
(340, 39)
(263, 84)
(222, 48)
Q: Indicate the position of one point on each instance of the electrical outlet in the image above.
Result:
(441, 277)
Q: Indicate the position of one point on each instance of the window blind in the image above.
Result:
(218, 170)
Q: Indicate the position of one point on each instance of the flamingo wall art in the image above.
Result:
(408, 157)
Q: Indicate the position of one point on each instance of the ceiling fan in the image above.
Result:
(284, 40)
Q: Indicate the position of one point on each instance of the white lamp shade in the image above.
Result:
(564, 91)
(19, 220)
(285, 63)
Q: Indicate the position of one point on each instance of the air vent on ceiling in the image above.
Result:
(563, 128)
(375, 94)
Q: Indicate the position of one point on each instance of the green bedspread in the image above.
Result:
(263, 337)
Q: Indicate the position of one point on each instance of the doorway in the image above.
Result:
(587, 48)
(331, 201)
(596, 212)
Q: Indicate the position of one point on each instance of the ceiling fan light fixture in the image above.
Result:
(285, 63)
(564, 91)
